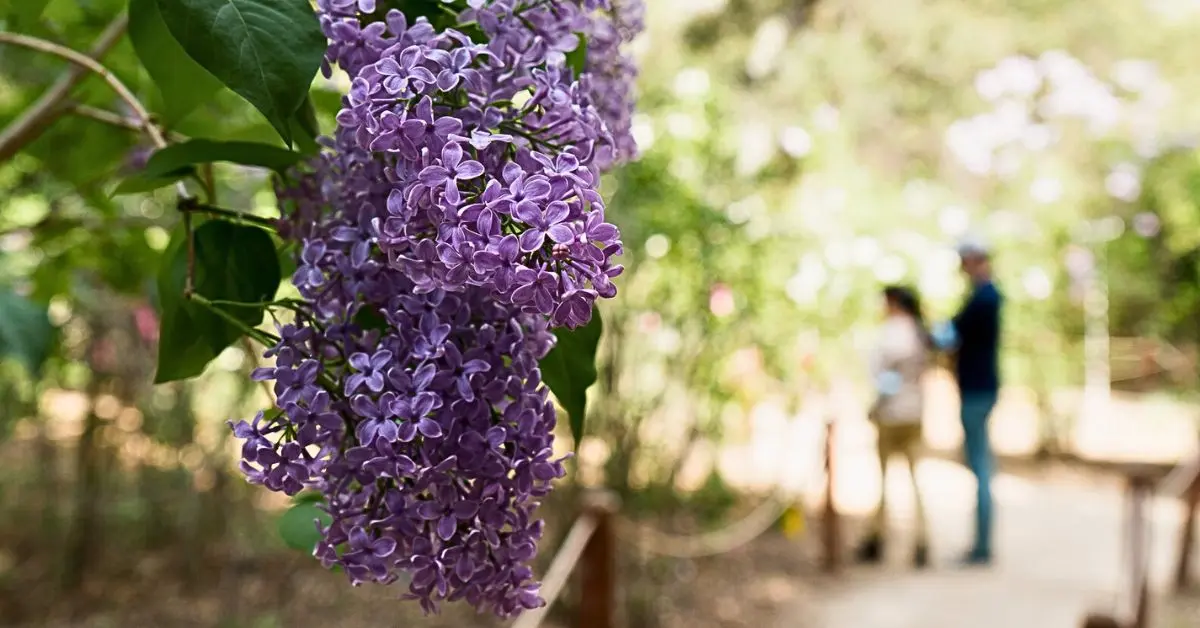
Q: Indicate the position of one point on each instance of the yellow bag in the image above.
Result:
(792, 522)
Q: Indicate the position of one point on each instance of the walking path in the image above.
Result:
(1059, 545)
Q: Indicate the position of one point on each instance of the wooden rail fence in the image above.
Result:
(1183, 482)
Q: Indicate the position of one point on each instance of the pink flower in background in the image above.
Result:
(649, 322)
(720, 301)
(146, 320)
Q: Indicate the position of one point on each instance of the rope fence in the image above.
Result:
(727, 539)
(591, 546)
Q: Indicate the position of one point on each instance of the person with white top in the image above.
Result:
(901, 356)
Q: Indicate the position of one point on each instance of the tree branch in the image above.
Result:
(33, 43)
(112, 118)
(42, 113)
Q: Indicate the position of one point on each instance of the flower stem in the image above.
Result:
(285, 303)
(190, 206)
(255, 334)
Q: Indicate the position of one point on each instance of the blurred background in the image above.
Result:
(796, 156)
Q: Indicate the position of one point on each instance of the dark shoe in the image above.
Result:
(976, 558)
(870, 551)
(921, 556)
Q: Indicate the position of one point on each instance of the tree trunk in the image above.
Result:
(83, 534)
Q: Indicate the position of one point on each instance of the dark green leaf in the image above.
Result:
(183, 83)
(168, 161)
(577, 58)
(235, 263)
(306, 118)
(570, 368)
(440, 16)
(25, 331)
(287, 259)
(308, 497)
(369, 318)
(306, 128)
(428, 9)
(267, 51)
(82, 151)
(139, 183)
(298, 527)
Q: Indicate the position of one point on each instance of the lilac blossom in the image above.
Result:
(451, 223)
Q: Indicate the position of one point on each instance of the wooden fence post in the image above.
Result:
(1187, 544)
(1141, 485)
(598, 571)
(831, 526)
(1141, 492)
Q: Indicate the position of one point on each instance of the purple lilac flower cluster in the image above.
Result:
(453, 222)
(494, 150)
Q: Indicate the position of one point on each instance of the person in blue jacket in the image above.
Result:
(976, 336)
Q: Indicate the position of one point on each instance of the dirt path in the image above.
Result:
(1059, 555)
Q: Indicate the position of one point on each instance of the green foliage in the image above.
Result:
(81, 152)
(439, 15)
(22, 12)
(26, 333)
(184, 85)
(570, 369)
(1159, 273)
(141, 183)
(298, 526)
(577, 58)
(267, 51)
(178, 161)
(236, 271)
(177, 157)
(305, 120)
(308, 497)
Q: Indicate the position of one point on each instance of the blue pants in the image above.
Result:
(976, 408)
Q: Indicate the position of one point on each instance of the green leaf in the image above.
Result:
(308, 497)
(168, 161)
(82, 151)
(570, 369)
(286, 254)
(298, 528)
(140, 183)
(428, 9)
(440, 15)
(267, 51)
(183, 83)
(369, 318)
(26, 333)
(305, 121)
(306, 118)
(234, 263)
(577, 58)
